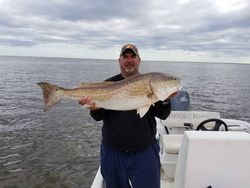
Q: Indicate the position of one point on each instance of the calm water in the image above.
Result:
(60, 148)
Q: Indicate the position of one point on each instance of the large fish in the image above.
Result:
(137, 92)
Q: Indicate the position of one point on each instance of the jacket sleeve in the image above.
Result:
(162, 109)
(98, 114)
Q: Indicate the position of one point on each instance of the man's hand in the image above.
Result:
(172, 95)
(86, 101)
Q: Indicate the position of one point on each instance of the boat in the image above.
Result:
(200, 149)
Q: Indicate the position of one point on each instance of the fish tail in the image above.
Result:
(50, 94)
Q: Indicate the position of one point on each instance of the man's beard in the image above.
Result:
(130, 70)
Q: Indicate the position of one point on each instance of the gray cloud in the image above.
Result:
(192, 26)
(77, 9)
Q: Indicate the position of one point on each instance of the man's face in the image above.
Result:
(129, 64)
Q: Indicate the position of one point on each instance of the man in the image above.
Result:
(129, 150)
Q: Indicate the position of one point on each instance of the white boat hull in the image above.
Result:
(176, 126)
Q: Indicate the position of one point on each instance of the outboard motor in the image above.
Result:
(180, 102)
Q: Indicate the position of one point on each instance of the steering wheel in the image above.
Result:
(217, 126)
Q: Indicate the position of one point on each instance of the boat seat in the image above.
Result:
(171, 144)
(213, 159)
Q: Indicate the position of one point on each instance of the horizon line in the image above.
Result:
(177, 61)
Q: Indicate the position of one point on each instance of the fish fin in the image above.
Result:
(160, 96)
(50, 94)
(151, 97)
(157, 90)
(143, 110)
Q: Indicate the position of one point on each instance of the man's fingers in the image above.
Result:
(172, 95)
(84, 101)
(92, 106)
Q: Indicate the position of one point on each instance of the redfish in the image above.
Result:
(138, 92)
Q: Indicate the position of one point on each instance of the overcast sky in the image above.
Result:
(186, 30)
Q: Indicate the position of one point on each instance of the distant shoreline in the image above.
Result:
(77, 58)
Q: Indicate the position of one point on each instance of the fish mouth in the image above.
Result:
(179, 85)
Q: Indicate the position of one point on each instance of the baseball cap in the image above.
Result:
(129, 47)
